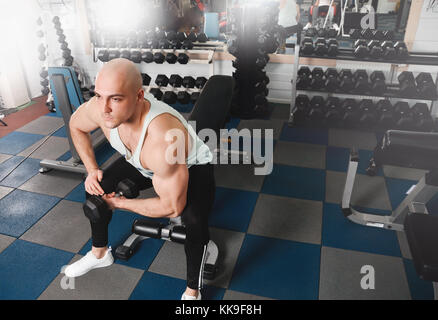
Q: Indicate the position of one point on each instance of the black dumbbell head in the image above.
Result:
(175, 80)
(183, 58)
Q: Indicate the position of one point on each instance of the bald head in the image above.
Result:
(121, 74)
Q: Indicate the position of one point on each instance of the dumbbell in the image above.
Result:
(183, 97)
(361, 84)
(95, 207)
(333, 111)
(153, 229)
(332, 33)
(147, 56)
(367, 112)
(303, 81)
(425, 85)
(146, 79)
(307, 46)
(367, 33)
(171, 35)
(183, 58)
(187, 45)
(194, 96)
(262, 61)
(321, 32)
(171, 58)
(378, 85)
(188, 82)
(162, 81)
(331, 79)
(385, 114)
(407, 86)
(401, 50)
(375, 49)
(169, 97)
(311, 32)
(388, 34)
(378, 35)
(200, 82)
(135, 56)
(175, 44)
(350, 111)
(346, 80)
(113, 54)
(422, 119)
(159, 57)
(175, 80)
(103, 55)
(192, 36)
(181, 36)
(361, 49)
(301, 110)
(403, 115)
(321, 47)
(388, 50)
(125, 54)
(317, 82)
(332, 47)
(163, 44)
(316, 109)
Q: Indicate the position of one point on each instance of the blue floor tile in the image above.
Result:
(364, 161)
(62, 133)
(295, 182)
(16, 142)
(77, 194)
(233, 209)
(306, 135)
(65, 156)
(339, 232)
(420, 289)
(7, 166)
(154, 286)
(27, 269)
(21, 209)
(119, 230)
(337, 159)
(397, 190)
(277, 269)
(26, 170)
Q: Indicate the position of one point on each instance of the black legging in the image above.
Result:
(200, 198)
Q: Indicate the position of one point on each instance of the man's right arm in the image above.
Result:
(82, 122)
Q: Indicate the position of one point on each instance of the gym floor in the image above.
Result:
(281, 236)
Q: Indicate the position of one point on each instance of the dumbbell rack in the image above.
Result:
(415, 58)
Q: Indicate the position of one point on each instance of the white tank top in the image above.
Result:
(199, 154)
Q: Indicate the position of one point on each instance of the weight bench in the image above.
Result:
(67, 97)
(412, 150)
(210, 111)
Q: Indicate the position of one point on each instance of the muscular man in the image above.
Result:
(143, 130)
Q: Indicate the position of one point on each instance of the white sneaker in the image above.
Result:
(186, 297)
(307, 26)
(87, 263)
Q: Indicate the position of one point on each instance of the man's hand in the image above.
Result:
(92, 185)
(112, 201)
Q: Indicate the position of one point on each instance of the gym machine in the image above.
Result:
(410, 150)
(68, 97)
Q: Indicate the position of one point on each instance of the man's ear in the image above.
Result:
(140, 94)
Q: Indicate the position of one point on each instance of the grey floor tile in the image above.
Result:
(64, 227)
(275, 124)
(54, 183)
(352, 138)
(171, 260)
(370, 192)
(404, 246)
(403, 173)
(300, 154)
(5, 241)
(43, 125)
(287, 218)
(239, 176)
(341, 276)
(4, 191)
(335, 184)
(4, 157)
(236, 295)
(115, 282)
(52, 148)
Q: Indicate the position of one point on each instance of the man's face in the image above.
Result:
(116, 102)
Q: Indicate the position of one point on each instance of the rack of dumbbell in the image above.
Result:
(374, 50)
(175, 90)
(252, 37)
(421, 87)
(42, 50)
(66, 52)
(151, 46)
